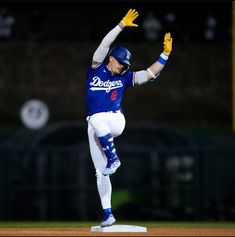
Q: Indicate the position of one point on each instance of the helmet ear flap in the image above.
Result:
(126, 68)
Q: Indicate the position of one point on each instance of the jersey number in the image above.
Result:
(114, 95)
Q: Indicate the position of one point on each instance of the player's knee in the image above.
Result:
(120, 131)
(117, 131)
(98, 176)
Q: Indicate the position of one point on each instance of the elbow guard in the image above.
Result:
(141, 77)
(154, 77)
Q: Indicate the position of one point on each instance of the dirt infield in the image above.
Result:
(161, 231)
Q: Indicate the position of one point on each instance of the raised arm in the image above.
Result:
(103, 49)
(153, 71)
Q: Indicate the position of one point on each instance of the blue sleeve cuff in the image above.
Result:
(162, 58)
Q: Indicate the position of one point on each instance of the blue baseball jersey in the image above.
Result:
(104, 91)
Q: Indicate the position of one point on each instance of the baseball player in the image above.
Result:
(107, 78)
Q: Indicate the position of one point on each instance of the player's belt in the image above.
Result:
(111, 111)
(114, 111)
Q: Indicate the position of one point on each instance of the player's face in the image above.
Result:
(115, 66)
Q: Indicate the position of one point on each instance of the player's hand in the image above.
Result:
(128, 19)
(167, 44)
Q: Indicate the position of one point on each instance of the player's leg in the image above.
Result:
(116, 123)
(105, 131)
(103, 182)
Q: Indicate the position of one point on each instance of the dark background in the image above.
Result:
(196, 80)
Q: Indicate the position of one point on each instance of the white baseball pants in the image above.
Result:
(100, 124)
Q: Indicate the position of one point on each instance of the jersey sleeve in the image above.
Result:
(129, 79)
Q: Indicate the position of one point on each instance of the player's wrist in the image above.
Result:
(163, 58)
(166, 53)
(121, 25)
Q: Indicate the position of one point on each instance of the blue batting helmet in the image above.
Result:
(122, 54)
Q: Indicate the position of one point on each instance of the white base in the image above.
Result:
(119, 228)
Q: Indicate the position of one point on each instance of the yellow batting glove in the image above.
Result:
(128, 19)
(167, 44)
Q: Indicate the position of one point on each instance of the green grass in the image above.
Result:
(77, 224)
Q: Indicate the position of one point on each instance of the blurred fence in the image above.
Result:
(162, 180)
